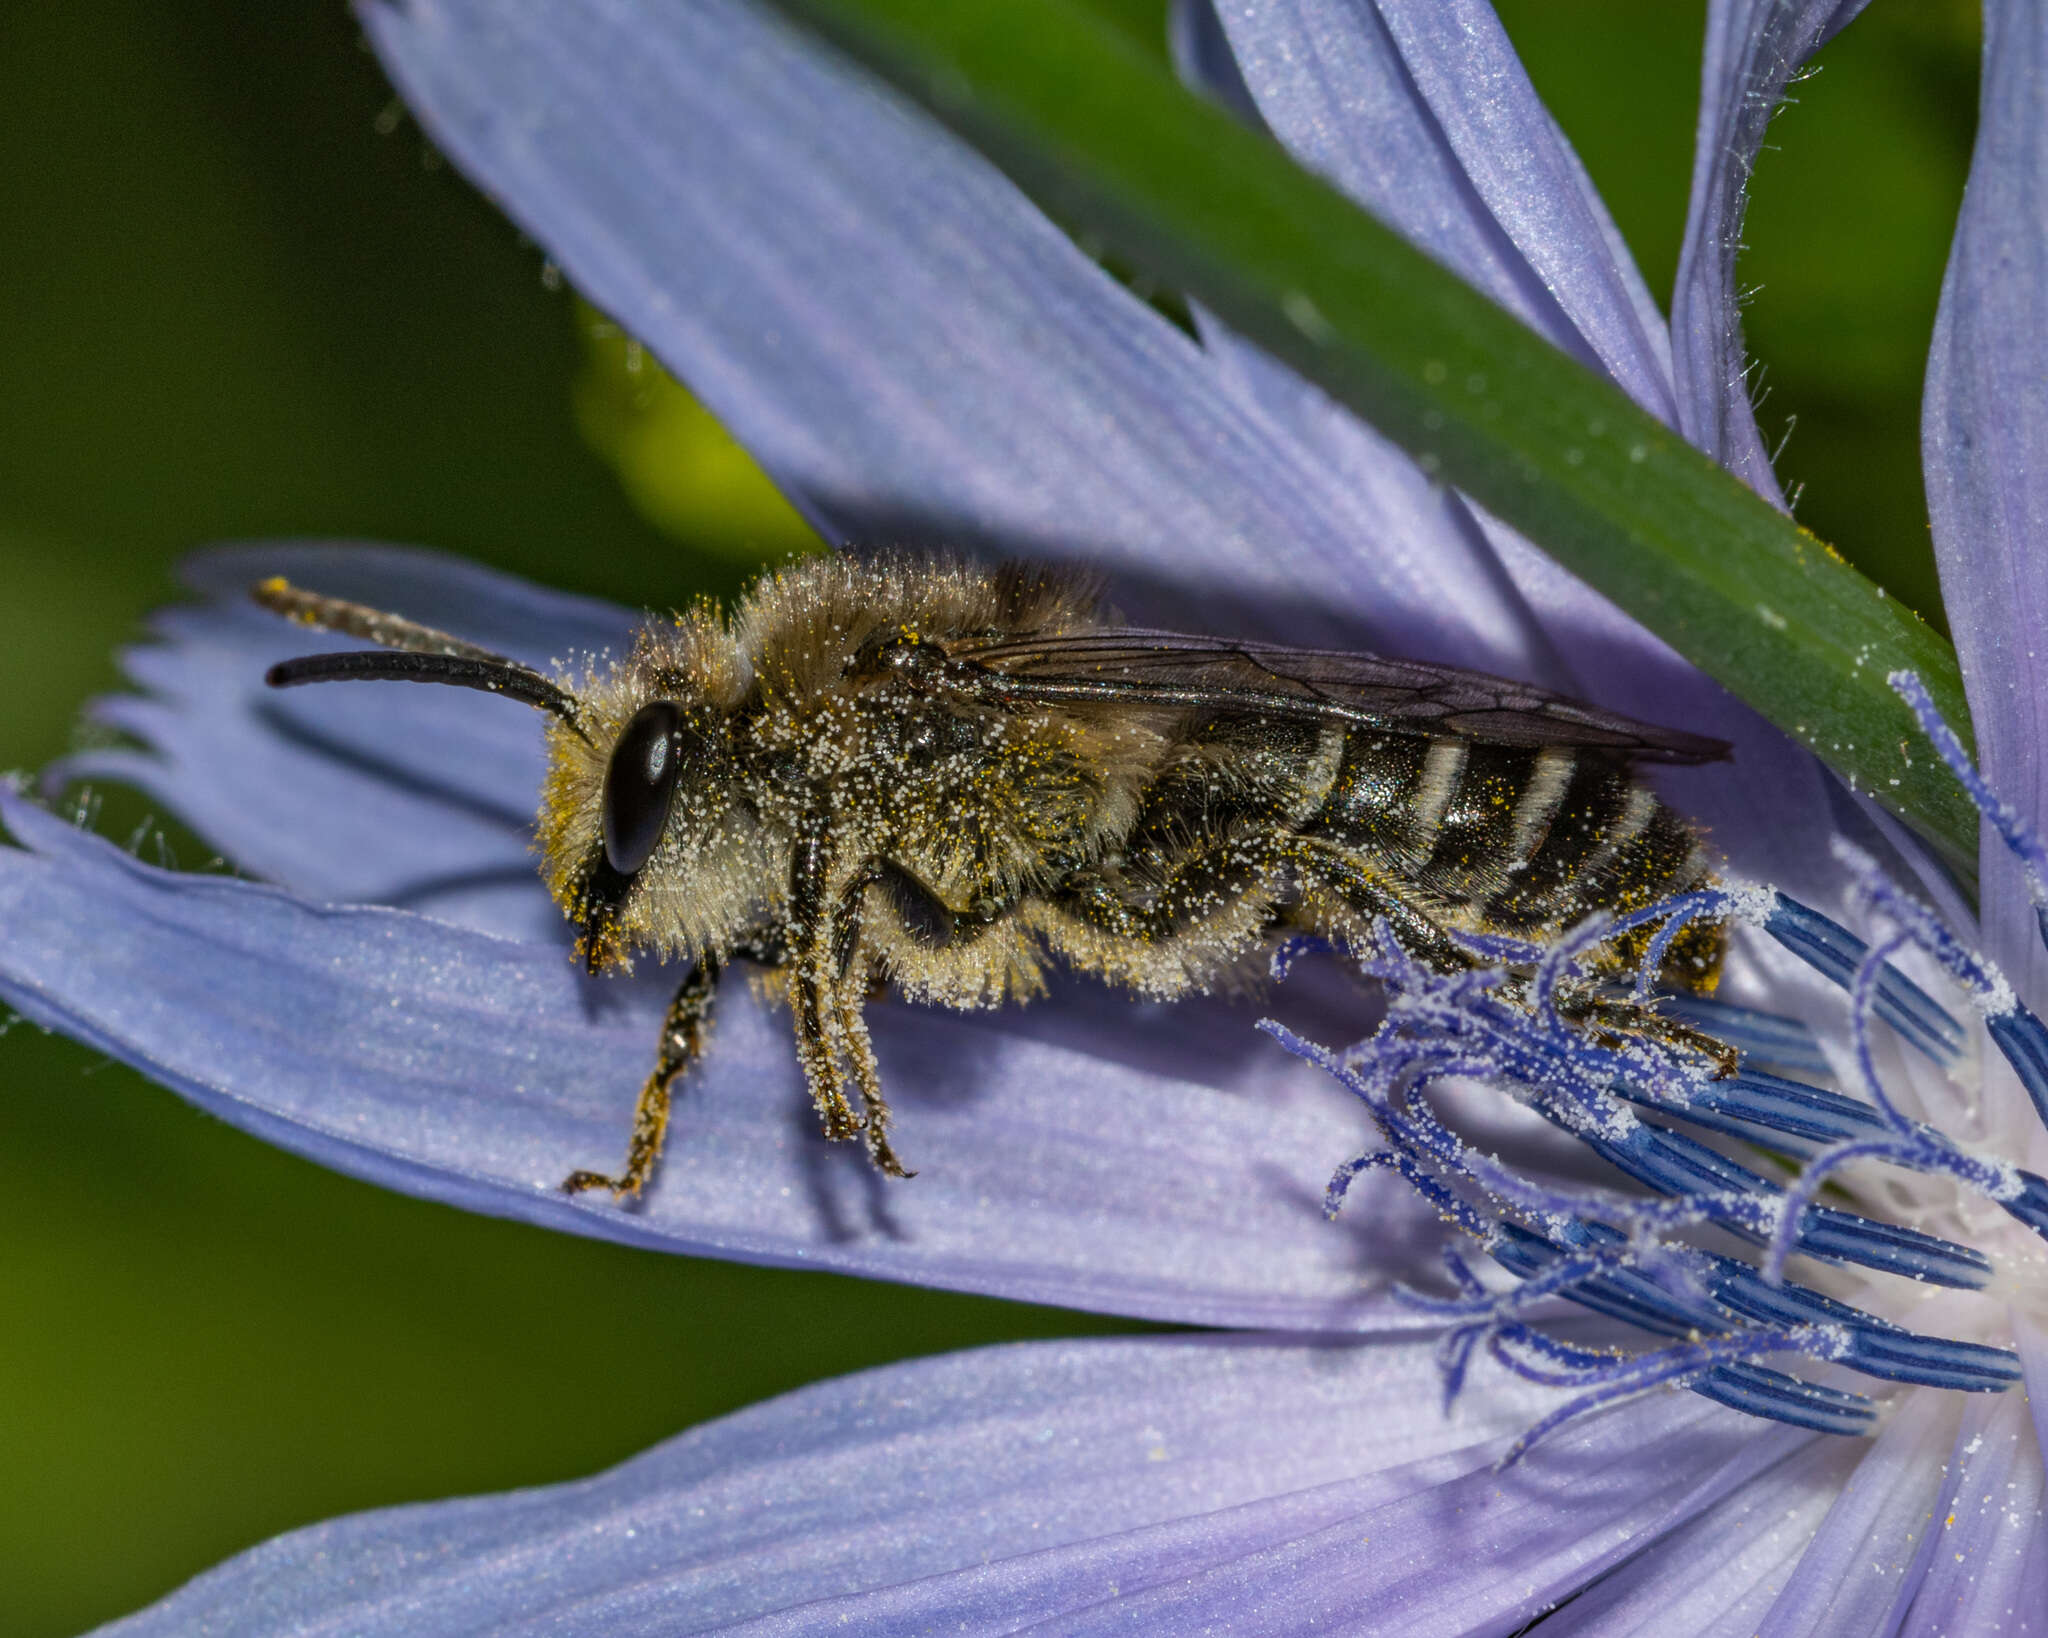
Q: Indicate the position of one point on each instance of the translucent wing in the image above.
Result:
(1133, 666)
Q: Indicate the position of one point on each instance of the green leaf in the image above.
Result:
(1104, 137)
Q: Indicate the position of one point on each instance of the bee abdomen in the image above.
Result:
(1389, 794)
(1517, 839)
(1610, 844)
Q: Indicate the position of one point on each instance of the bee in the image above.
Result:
(943, 780)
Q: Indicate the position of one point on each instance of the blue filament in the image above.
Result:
(1757, 1390)
(1725, 1366)
(1672, 1163)
(1834, 952)
(2030, 1204)
(1757, 1106)
(2023, 1043)
(1532, 1023)
(1877, 1347)
(1722, 1369)
(2020, 1037)
(1732, 1292)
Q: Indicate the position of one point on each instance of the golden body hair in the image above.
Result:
(937, 779)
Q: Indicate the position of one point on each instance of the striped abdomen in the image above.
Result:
(1506, 838)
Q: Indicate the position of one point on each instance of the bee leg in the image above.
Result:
(1622, 1018)
(1292, 868)
(813, 953)
(1185, 886)
(815, 1029)
(867, 1075)
(683, 1031)
(1367, 895)
(849, 1016)
(846, 920)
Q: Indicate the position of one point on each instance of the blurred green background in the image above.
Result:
(242, 299)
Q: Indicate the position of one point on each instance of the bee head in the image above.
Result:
(616, 827)
(637, 762)
(643, 840)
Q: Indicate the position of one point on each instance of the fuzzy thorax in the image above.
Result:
(983, 805)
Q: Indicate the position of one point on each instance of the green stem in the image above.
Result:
(1105, 138)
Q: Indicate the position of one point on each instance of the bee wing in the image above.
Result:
(1132, 666)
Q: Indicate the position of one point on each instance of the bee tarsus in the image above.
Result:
(684, 1030)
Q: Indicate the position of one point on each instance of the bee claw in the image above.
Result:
(622, 1189)
(884, 1157)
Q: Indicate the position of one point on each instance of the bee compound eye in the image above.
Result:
(640, 784)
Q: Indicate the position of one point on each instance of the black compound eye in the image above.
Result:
(640, 784)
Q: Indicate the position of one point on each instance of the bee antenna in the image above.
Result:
(418, 653)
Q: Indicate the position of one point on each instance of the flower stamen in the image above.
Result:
(1623, 1255)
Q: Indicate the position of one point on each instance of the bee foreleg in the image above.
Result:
(683, 1032)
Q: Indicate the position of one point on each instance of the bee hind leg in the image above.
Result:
(1373, 898)
(683, 1033)
(1614, 1016)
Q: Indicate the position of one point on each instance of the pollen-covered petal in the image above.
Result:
(1983, 430)
(1715, 1576)
(1178, 1177)
(907, 345)
(1240, 1485)
(1754, 49)
(1864, 1564)
(1988, 1567)
(365, 792)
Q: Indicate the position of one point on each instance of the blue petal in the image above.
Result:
(1717, 1575)
(1172, 1485)
(1988, 1571)
(913, 352)
(420, 797)
(1331, 81)
(1862, 1567)
(1984, 429)
(1422, 113)
(1754, 50)
(2032, 1340)
(1160, 1162)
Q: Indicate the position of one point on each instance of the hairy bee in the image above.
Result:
(938, 779)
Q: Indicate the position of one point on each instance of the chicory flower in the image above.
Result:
(916, 355)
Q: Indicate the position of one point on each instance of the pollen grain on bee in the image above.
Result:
(944, 780)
